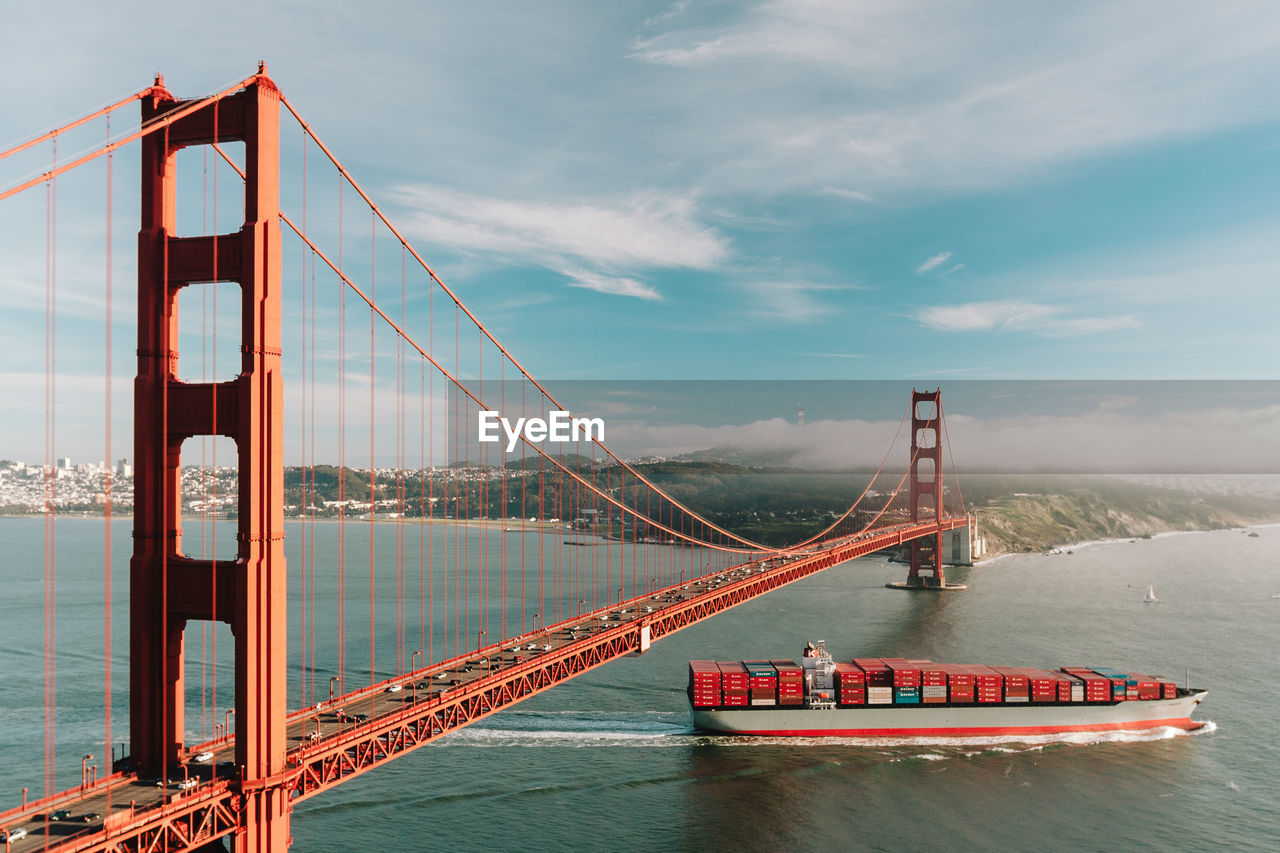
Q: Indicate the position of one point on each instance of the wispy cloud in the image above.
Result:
(831, 354)
(612, 285)
(933, 263)
(1044, 320)
(789, 301)
(674, 11)
(852, 195)
(648, 229)
(908, 96)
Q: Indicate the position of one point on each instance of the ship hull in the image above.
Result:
(994, 720)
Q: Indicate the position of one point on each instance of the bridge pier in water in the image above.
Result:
(926, 494)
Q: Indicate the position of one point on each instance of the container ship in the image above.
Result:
(896, 697)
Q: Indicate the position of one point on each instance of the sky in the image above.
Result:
(792, 189)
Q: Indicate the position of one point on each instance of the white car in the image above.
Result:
(184, 784)
(395, 688)
(7, 835)
(203, 756)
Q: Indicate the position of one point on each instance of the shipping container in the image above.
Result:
(877, 672)
(788, 670)
(733, 675)
(760, 668)
(905, 673)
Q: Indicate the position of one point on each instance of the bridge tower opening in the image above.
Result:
(168, 589)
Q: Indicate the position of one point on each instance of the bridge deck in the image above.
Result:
(339, 739)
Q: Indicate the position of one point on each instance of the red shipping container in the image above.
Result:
(788, 669)
(905, 674)
(733, 675)
(847, 673)
(1012, 676)
(878, 674)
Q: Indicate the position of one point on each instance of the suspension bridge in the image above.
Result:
(374, 340)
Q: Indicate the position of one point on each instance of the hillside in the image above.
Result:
(1039, 513)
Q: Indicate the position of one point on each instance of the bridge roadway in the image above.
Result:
(344, 737)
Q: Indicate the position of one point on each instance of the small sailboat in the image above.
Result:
(1151, 595)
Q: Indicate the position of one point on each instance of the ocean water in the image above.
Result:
(609, 762)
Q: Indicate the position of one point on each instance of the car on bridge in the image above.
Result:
(60, 814)
(10, 835)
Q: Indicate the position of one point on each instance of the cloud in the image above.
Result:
(933, 263)
(831, 355)
(648, 229)
(788, 301)
(907, 96)
(674, 11)
(608, 284)
(852, 195)
(1039, 319)
(1218, 439)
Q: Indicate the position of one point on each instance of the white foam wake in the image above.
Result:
(576, 729)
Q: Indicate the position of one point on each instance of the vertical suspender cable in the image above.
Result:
(213, 537)
(342, 459)
(309, 503)
(428, 456)
(50, 477)
(303, 424)
(107, 484)
(204, 447)
(373, 473)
